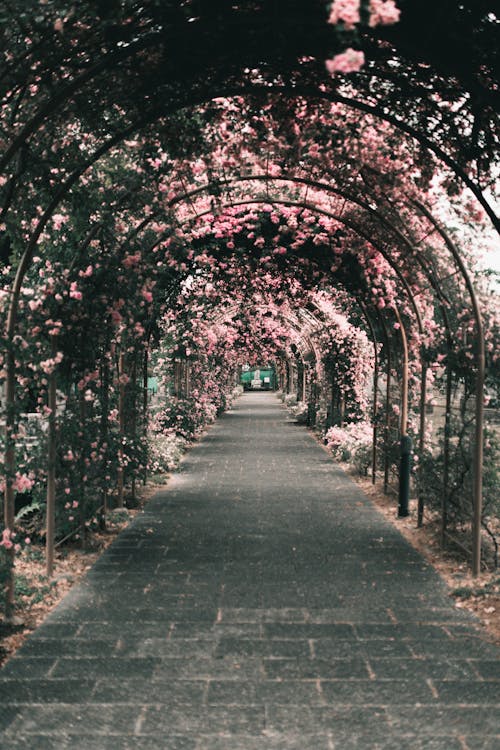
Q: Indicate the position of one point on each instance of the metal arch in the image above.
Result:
(116, 56)
(376, 365)
(108, 145)
(411, 297)
(480, 378)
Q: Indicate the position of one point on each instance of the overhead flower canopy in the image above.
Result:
(209, 184)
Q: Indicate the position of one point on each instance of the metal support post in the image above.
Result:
(404, 476)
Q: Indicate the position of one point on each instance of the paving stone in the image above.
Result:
(199, 668)
(260, 602)
(101, 742)
(408, 742)
(377, 692)
(414, 631)
(268, 740)
(54, 630)
(136, 690)
(31, 690)
(332, 629)
(479, 742)
(333, 649)
(95, 668)
(77, 718)
(316, 669)
(262, 647)
(268, 692)
(64, 647)
(467, 692)
(192, 719)
(341, 720)
(489, 670)
(20, 666)
(467, 648)
(436, 669)
(438, 720)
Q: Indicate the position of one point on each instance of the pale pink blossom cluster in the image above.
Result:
(8, 542)
(22, 483)
(344, 442)
(6, 539)
(74, 292)
(48, 365)
(349, 61)
(59, 219)
(383, 12)
(345, 11)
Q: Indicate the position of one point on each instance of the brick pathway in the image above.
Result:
(260, 603)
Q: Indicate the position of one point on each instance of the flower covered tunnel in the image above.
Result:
(171, 211)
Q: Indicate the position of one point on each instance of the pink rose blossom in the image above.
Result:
(383, 12)
(347, 62)
(6, 542)
(346, 11)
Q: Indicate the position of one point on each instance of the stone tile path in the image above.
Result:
(260, 603)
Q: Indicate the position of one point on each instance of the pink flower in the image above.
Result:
(347, 62)
(58, 220)
(346, 11)
(22, 483)
(147, 295)
(73, 291)
(383, 12)
(6, 539)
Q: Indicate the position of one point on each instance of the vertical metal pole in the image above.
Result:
(145, 405)
(421, 441)
(387, 413)
(404, 380)
(446, 454)
(121, 417)
(406, 443)
(10, 468)
(51, 471)
(478, 462)
(375, 414)
(375, 392)
(133, 420)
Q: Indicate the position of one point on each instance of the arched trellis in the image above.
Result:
(71, 88)
(118, 57)
(480, 382)
(310, 206)
(189, 196)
